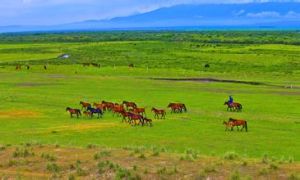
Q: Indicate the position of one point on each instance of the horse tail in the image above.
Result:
(79, 112)
(241, 107)
(246, 126)
(184, 107)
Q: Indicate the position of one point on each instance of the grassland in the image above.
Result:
(34, 101)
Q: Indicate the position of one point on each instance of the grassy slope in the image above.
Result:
(241, 58)
(40, 98)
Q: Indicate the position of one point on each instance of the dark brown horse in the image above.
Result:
(86, 64)
(159, 112)
(148, 121)
(125, 115)
(235, 123)
(73, 111)
(95, 65)
(85, 105)
(233, 106)
(129, 105)
(136, 117)
(177, 107)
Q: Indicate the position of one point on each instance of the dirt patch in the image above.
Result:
(19, 114)
(49, 162)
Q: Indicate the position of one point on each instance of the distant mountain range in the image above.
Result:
(191, 17)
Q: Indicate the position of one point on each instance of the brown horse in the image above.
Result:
(148, 121)
(140, 111)
(136, 117)
(98, 106)
(87, 114)
(233, 106)
(158, 112)
(125, 115)
(129, 104)
(84, 105)
(177, 107)
(118, 109)
(235, 122)
(73, 111)
(108, 106)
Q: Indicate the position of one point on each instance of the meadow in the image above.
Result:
(33, 101)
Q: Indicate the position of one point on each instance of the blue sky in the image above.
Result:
(50, 12)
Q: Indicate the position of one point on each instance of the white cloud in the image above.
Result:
(292, 14)
(274, 14)
(264, 14)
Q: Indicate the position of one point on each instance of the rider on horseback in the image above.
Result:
(230, 101)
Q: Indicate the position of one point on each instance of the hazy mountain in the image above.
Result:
(215, 16)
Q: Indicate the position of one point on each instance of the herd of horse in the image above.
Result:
(129, 111)
(134, 115)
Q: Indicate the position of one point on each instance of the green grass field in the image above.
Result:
(33, 101)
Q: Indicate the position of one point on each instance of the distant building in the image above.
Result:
(64, 56)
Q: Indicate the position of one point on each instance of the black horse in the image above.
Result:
(95, 111)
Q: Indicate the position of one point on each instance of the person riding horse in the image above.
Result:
(230, 101)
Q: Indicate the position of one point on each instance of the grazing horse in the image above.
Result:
(148, 121)
(86, 64)
(84, 105)
(129, 104)
(233, 106)
(177, 107)
(95, 111)
(136, 117)
(235, 122)
(73, 111)
(158, 112)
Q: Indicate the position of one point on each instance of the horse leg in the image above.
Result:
(242, 127)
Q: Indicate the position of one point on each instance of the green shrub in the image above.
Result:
(294, 176)
(235, 176)
(231, 156)
(48, 157)
(52, 167)
(102, 154)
